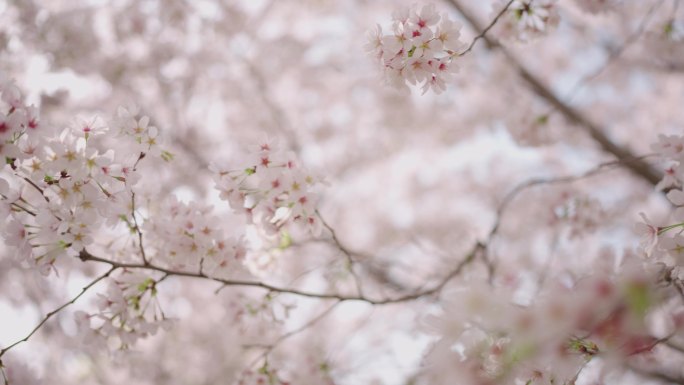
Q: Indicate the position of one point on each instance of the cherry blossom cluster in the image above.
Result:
(271, 189)
(666, 242)
(670, 150)
(57, 191)
(419, 50)
(17, 120)
(146, 138)
(128, 311)
(184, 236)
(525, 20)
(491, 335)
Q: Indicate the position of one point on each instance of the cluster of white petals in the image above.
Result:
(419, 50)
(271, 189)
(127, 312)
(489, 337)
(670, 149)
(666, 243)
(525, 20)
(57, 190)
(187, 236)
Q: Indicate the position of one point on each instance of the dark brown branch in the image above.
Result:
(639, 168)
(86, 256)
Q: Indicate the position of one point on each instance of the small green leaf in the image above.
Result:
(542, 119)
(285, 240)
(167, 156)
(668, 29)
(638, 298)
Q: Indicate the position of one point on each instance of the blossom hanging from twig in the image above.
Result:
(420, 50)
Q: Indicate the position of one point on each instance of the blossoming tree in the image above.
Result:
(234, 192)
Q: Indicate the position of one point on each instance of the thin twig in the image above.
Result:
(656, 374)
(674, 346)
(615, 54)
(269, 348)
(490, 26)
(347, 253)
(563, 179)
(517, 190)
(24, 209)
(141, 246)
(135, 220)
(641, 169)
(4, 375)
(57, 310)
(86, 256)
(42, 193)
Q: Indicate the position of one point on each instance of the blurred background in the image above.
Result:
(414, 180)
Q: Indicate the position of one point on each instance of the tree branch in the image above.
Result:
(57, 310)
(517, 190)
(141, 246)
(269, 348)
(639, 168)
(348, 254)
(86, 256)
(490, 26)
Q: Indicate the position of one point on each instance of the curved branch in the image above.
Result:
(271, 347)
(662, 376)
(517, 190)
(347, 253)
(86, 256)
(639, 168)
(57, 310)
(490, 26)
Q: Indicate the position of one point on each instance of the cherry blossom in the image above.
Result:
(525, 20)
(128, 311)
(421, 49)
(271, 189)
(489, 235)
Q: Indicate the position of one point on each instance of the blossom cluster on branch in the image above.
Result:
(525, 20)
(271, 189)
(419, 50)
(127, 311)
(468, 246)
(60, 189)
(503, 338)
